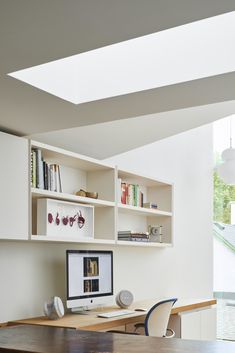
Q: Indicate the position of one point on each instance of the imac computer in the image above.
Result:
(89, 279)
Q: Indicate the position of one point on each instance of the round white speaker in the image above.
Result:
(124, 298)
(54, 309)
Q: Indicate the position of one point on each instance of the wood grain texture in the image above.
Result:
(37, 339)
(94, 323)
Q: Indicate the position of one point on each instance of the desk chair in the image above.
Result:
(156, 320)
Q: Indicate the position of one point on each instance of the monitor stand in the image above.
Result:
(86, 310)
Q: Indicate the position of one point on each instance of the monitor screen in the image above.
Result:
(89, 277)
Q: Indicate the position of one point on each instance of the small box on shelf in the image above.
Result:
(60, 219)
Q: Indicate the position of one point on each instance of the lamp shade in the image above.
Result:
(226, 170)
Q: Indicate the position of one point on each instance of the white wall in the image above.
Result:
(224, 268)
(32, 272)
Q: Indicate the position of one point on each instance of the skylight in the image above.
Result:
(196, 50)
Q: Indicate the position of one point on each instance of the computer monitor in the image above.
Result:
(89, 278)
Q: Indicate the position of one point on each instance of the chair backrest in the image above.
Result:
(158, 317)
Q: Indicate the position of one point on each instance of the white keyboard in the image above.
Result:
(116, 313)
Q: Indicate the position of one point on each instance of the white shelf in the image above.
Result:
(142, 211)
(60, 239)
(36, 193)
(81, 172)
(143, 244)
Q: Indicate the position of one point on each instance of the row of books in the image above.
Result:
(43, 175)
(130, 194)
(130, 235)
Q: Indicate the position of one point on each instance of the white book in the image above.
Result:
(119, 190)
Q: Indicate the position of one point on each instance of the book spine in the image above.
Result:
(124, 192)
(59, 177)
(119, 190)
(141, 199)
(44, 174)
(137, 195)
(56, 178)
(39, 169)
(52, 177)
(130, 197)
(49, 176)
(31, 168)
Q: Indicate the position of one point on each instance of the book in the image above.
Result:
(130, 195)
(123, 235)
(140, 239)
(119, 190)
(141, 200)
(33, 168)
(124, 187)
(39, 169)
(131, 232)
(60, 184)
(52, 177)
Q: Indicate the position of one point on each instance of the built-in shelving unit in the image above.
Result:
(138, 218)
(79, 172)
(110, 215)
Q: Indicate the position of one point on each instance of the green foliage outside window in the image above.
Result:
(223, 195)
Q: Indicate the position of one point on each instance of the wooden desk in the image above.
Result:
(94, 323)
(28, 338)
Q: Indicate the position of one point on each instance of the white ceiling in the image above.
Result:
(175, 55)
(36, 32)
(107, 139)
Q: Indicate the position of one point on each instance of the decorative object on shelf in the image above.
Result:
(152, 205)
(50, 218)
(58, 218)
(81, 193)
(72, 220)
(155, 233)
(91, 194)
(226, 170)
(124, 298)
(54, 308)
(65, 220)
(81, 220)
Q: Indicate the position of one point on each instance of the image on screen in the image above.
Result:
(91, 266)
(89, 274)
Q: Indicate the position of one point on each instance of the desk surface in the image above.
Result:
(94, 323)
(28, 338)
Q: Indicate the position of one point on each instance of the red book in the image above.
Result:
(124, 192)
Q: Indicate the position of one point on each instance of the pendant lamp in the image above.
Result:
(226, 170)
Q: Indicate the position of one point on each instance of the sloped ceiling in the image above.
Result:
(36, 32)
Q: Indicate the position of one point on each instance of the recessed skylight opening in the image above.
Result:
(199, 49)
